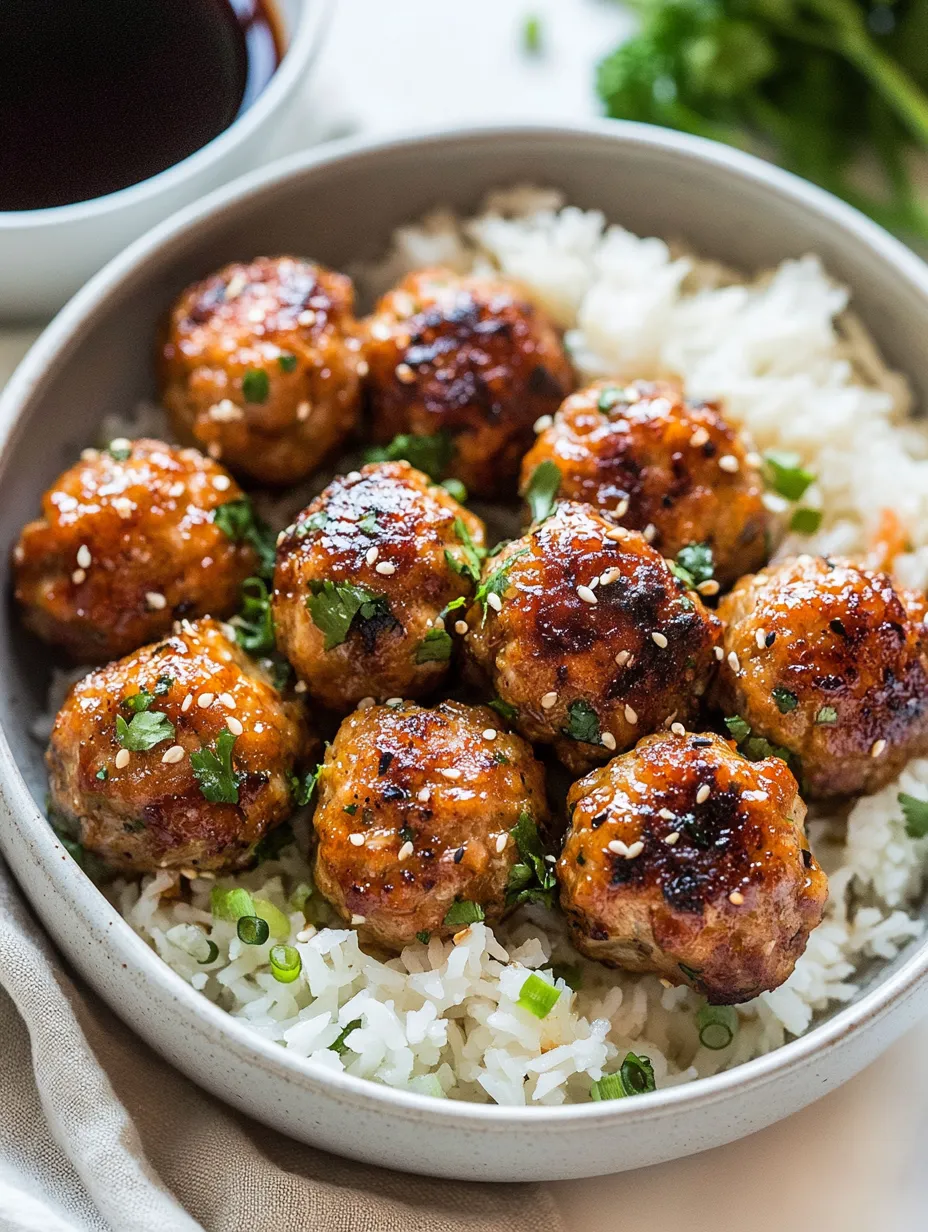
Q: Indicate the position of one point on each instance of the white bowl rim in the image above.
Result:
(314, 16)
(886, 994)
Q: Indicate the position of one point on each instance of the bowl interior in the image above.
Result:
(341, 210)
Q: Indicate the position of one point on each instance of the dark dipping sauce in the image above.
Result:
(96, 95)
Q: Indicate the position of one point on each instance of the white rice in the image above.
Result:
(443, 1019)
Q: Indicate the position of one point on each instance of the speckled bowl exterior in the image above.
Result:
(339, 205)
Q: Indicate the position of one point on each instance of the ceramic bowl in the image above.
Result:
(339, 205)
(46, 255)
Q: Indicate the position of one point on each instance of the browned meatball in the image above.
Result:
(829, 661)
(583, 629)
(127, 542)
(179, 756)
(363, 577)
(673, 469)
(469, 357)
(414, 816)
(686, 859)
(260, 366)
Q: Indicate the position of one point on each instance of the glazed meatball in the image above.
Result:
(363, 577)
(830, 662)
(178, 756)
(470, 358)
(414, 816)
(582, 628)
(261, 366)
(686, 859)
(127, 542)
(656, 463)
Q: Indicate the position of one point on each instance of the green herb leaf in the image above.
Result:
(368, 524)
(286, 362)
(635, 1077)
(531, 36)
(541, 493)
(805, 521)
(144, 730)
(237, 519)
(504, 710)
(570, 973)
(786, 474)
(334, 607)
(308, 526)
(254, 624)
(474, 556)
(455, 488)
(256, 385)
(102, 774)
(538, 996)
(915, 812)
(612, 396)
(339, 1045)
(119, 452)
(738, 728)
(424, 936)
(784, 698)
(695, 561)
(430, 454)
(497, 582)
(532, 880)
(136, 703)
(435, 647)
(826, 716)
(302, 788)
(583, 723)
(212, 769)
(462, 911)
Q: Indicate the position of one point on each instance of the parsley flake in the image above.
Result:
(254, 623)
(212, 769)
(826, 716)
(694, 564)
(785, 699)
(462, 911)
(302, 788)
(805, 521)
(738, 728)
(497, 582)
(286, 362)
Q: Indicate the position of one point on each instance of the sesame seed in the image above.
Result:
(719, 653)
(303, 411)
(380, 331)
(543, 423)
(609, 741)
(424, 795)
(659, 640)
(666, 814)
(78, 576)
(155, 601)
(225, 412)
(385, 567)
(227, 700)
(83, 556)
(306, 317)
(501, 841)
(89, 455)
(734, 662)
(358, 919)
(878, 748)
(122, 759)
(753, 459)
(495, 602)
(174, 754)
(617, 534)
(405, 374)
(631, 716)
(736, 898)
(760, 639)
(221, 483)
(671, 838)
(549, 700)
(460, 626)
(649, 532)
(489, 733)
(610, 576)
(623, 657)
(594, 583)
(234, 725)
(678, 729)
(300, 686)
(703, 794)
(186, 703)
(205, 699)
(371, 555)
(365, 703)
(451, 773)
(635, 850)
(356, 840)
(709, 587)
(617, 847)
(363, 367)
(586, 594)
(728, 462)
(178, 489)
(699, 438)
(622, 507)
(461, 936)
(257, 314)
(405, 851)
(214, 449)
(393, 701)
(306, 934)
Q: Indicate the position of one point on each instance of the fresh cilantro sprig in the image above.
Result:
(583, 723)
(915, 812)
(238, 520)
(430, 454)
(473, 556)
(212, 768)
(541, 493)
(144, 730)
(532, 880)
(694, 564)
(497, 582)
(435, 647)
(334, 607)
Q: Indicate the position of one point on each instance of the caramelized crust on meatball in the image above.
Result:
(260, 366)
(650, 459)
(686, 859)
(470, 357)
(126, 543)
(131, 738)
(362, 579)
(415, 812)
(584, 630)
(830, 661)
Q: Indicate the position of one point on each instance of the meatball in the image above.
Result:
(583, 629)
(686, 859)
(128, 541)
(261, 365)
(470, 358)
(829, 661)
(363, 579)
(656, 463)
(415, 814)
(179, 756)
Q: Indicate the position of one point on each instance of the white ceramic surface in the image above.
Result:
(339, 204)
(46, 255)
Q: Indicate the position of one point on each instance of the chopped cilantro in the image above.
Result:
(786, 474)
(339, 1045)
(286, 362)
(738, 728)
(826, 716)
(805, 521)
(368, 524)
(504, 710)
(583, 723)
(610, 397)
(785, 699)
(256, 385)
(121, 451)
(532, 879)
(334, 607)
(694, 564)
(435, 647)
(102, 774)
(212, 769)
(915, 812)
(424, 936)
(430, 454)
(237, 519)
(136, 703)
(315, 521)
(144, 730)
(350, 809)
(570, 973)
(462, 911)
(254, 623)
(497, 582)
(302, 788)
(473, 555)
(541, 493)
(455, 488)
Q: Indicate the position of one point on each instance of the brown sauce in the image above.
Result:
(96, 95)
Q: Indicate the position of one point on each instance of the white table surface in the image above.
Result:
(854, 1161)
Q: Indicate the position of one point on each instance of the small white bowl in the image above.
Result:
(46, 255)
(339, 204)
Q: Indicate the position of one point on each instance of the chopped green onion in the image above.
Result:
(717, 1025)
(252, 930)
(339, 1045)
(531, 36)
(805, 521)
(286, 963)
(462, 911)
(455, 488)
(608, 1087)
(211, 955)
(277, 922)
(427, 1084)
(787, 476)
(230, 904)
(635, 1077)
(538, 996)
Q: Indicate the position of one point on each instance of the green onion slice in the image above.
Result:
(538, 996)
(230, 904)
(717, 1025)
(211, 955)
(277, 922)
(286, 963)
(252, 930)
